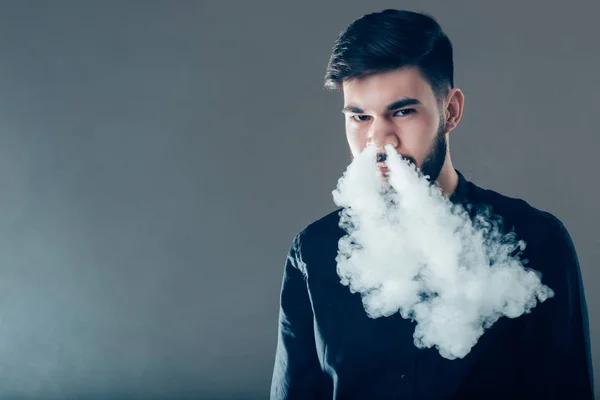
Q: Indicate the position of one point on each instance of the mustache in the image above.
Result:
(382, 157)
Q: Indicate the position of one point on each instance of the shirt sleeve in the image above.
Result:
(297, 373)
(560, 362)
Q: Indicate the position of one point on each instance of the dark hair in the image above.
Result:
(392, 39)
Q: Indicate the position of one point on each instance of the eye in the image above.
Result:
(405, 111)
(359, 118)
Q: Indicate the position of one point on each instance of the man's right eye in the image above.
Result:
(360, 118)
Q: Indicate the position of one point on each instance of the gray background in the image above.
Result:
(157, 158)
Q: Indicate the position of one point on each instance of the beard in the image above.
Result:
(434, 162)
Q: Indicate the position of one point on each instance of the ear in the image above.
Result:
(453, 108)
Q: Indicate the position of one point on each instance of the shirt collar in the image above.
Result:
(461, 193)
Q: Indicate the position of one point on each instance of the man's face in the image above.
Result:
(399, 108)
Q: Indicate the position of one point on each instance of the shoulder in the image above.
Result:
(317, 239)
(549, 248)
(317, 229)
(519, 215)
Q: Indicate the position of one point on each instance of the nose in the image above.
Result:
(381, 133)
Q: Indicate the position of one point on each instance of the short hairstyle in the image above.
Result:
(388, 40)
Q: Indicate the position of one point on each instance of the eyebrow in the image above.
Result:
(406, 101)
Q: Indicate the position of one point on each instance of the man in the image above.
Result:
(395, 69)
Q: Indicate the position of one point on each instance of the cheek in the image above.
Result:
(418, 139)
(357, 141)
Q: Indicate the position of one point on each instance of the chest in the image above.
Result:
(366, 354)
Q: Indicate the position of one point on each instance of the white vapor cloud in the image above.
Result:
(408, 249)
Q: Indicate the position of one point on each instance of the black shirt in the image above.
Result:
(328, 348)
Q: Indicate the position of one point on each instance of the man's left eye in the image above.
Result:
(406, 111)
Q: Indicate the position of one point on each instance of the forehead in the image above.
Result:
(376, 91)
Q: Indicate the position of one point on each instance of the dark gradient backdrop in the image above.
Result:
(157, 158)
